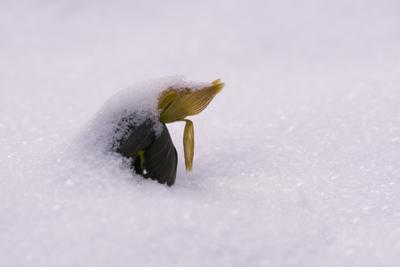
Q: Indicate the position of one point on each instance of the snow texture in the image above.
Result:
(296, 160)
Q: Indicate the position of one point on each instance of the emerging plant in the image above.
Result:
(154, 156)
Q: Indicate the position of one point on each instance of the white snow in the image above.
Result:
(296, 160)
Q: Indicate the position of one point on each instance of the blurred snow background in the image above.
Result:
(297, 160)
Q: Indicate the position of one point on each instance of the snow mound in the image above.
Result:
(112, 120)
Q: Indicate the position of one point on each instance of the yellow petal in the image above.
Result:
(188, 144)
(166, 99)
(176, 105)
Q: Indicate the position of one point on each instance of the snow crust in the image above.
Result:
(296, 160)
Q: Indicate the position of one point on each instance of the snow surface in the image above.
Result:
(297, 159)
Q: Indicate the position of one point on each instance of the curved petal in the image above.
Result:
(188, 144)
(186, 102)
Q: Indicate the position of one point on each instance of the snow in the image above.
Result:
(296, 160)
